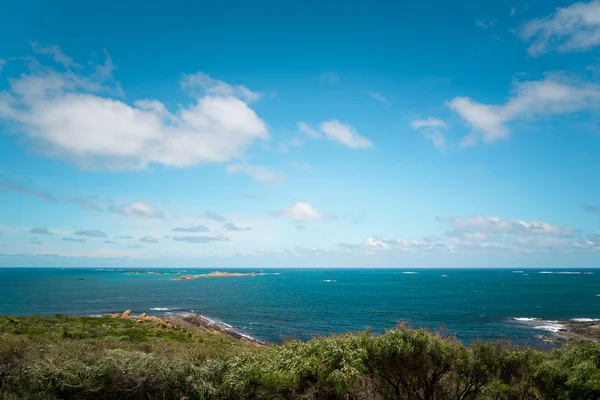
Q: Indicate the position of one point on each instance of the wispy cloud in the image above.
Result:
(201, 239)
(378, 97)
(303, 212)
(573, 28)
(234, 228)
(213, 216)
(40, 231)
(90, 233)
(257, 172)
(192, 229)
(148, 239)
(433, 129)
(136, 209)
(337, 132)
(217, 87)
(329, 77)
(74, 240)
(18, 188)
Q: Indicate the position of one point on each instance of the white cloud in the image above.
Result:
(574, 28)
(73, 117)
(432, 128)
(303, 212)
(495, 225)
(335, 131)
(513, 11)
(257, 172)
(137, 209)
(2, 64)
(555, 94)
(344, 134)
(378, 97)
(211, 86)
(308, 130)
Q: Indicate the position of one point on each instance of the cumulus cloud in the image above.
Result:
(34, 241)
(148, 239)
(74, 240)
(76, 117)
(256, 172)
(201, 239)
(15, 187)
(109, 242)
(573, 28)
(234, 228)
(124, 237)
(433, 129)
(137, 209)
(192, 229)
(555, 94)
(337, 132)
(215, 87)
(213, 216)
(303, 212)
(40, 231)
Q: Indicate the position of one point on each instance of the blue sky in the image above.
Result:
(300, 133)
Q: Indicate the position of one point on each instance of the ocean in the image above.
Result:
(475, 304)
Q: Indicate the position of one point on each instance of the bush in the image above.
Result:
(142, 363)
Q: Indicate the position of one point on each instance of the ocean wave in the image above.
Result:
(329, 281)
(526, 319)
(444, 276)
(409, 272)
(551, 327)
(160, 309)
(268, 273)
(518, 272)
(585, 319)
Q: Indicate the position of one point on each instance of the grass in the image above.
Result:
(104, 358)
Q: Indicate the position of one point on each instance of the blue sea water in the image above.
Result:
(299, 303)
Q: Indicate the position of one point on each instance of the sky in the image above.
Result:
(300, 134)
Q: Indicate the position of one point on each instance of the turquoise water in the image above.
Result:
(299, 303)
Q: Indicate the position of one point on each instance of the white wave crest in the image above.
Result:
(160, 309)
(526, 319)
(585, 319)
(329, 281)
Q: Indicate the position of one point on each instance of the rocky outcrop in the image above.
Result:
(216, 274)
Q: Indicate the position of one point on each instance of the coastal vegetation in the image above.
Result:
(151, 358)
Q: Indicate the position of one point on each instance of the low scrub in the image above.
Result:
(113, 359)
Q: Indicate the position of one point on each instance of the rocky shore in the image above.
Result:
(191, 323)
(585, 329)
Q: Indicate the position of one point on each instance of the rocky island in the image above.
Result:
(216, 274)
